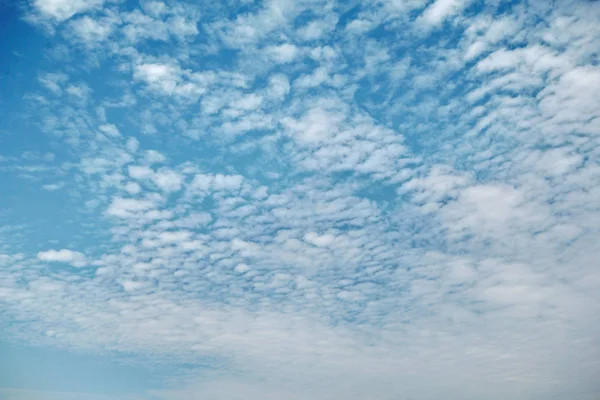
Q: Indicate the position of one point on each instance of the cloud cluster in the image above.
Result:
(318, 201)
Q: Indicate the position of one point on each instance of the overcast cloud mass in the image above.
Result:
(300, 200)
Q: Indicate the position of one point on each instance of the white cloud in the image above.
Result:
(161, 76)
(154, 157)
(132, 187)
(283, 53)
(252, 27)
(126, 208)
(61, 10)
(132, 286)
(359, 26)
(165, 179)
(171, 80)
(279, 86)
(315, 127)
(316, 29)
(313, 30)
(140, 172)
(319, 240)
(168, 181)
(182, 27)
(494, 204)
(90, 31)
(110, 130)
(74, 258)
(203, 184)
(155, 8)
(132, 145)
(441, 10)
(318, 77)
(139, 27)
(242, 268)
(247, 102)
(53, 81)
(485, 32)
(80, 91)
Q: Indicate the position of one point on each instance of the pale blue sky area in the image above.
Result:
(48, 369)
(313, 199)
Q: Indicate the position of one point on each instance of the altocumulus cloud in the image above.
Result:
(309, 199)
(75, 258)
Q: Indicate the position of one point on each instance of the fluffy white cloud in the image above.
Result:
(61, 10)
(440, 10)
(74, 258)
(91, 31)
(283, 53)
(162, 76)
(168, 181)
(124, 208)
(279, 86)
(140, 172)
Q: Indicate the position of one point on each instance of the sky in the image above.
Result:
(294, 200)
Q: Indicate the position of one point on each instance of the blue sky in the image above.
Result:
(299, 200)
